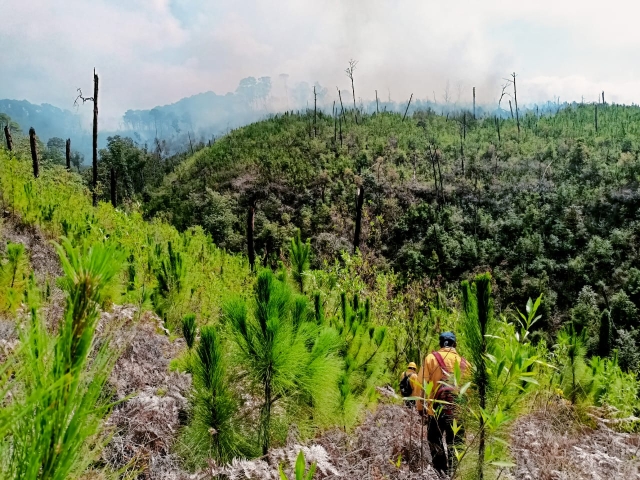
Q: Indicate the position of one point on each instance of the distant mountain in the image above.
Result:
(48, 121)
(203, 116)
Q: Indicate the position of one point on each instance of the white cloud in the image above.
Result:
(151, 52)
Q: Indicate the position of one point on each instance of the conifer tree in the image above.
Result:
(285, 356)
(300, 255)
(475, 325)
(189, 329)
(214, 430)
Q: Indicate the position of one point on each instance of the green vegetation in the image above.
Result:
(550, 210)
(300, 469)
(300, 344)
(57, 402)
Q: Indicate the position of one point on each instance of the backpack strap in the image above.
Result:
(440, 361)
(443, 366)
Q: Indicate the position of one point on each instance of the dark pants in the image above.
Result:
(437, 428)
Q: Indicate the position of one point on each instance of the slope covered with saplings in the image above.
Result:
(295, 351)
(548, 206)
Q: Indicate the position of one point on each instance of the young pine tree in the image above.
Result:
(300, 255)
(477, 320)
(59, 404)
(363, 352)
(214, 430)
(189, 329)
(286, 358)
(575, 377)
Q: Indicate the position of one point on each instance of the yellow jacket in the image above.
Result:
(413, 378)
(431, 373)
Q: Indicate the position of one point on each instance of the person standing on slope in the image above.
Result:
(409, 385)
(436, 371)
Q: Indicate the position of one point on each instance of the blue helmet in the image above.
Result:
(447, 339)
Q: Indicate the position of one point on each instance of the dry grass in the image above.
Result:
(552, 444)
(146, 423)
(370, 453)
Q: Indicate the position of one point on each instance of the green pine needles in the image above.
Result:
(364, 357)
(57, 388)
(189, 329)
(474, 327)
(214, 430)
(284, 355)
(300, 255)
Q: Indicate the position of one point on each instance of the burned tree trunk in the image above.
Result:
(511, 108)
(377, 110)
(7, 136)
(349, 71)
(95, 139)
(515, 99)
(359, 204)
(114, 186)
(596, 118)
(67, 153)
(335, 124)
(251, 212)
(474, 103)
(408, 105)
(315, 112)
(34, 152)
(341, 105)
(498, 128)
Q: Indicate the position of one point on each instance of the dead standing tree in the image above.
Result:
(407, 110)
(349, 72)
(315, 109)
(358, 229)
(67, 153)
(34, 152)
(93, 99)
(509, 82)
(8, 138)
(474, 103)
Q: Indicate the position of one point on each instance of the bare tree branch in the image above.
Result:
(81, 97)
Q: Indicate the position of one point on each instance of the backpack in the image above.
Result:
(406, 389)
(447, 393)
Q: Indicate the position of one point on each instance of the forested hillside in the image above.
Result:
(140, 339)
(548, 206)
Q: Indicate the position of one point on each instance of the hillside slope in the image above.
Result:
(549, 206)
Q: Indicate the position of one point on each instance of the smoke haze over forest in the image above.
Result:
(151, 53)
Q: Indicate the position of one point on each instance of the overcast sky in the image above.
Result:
(154, 52)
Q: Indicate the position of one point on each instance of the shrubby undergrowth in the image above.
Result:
(298, 347)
